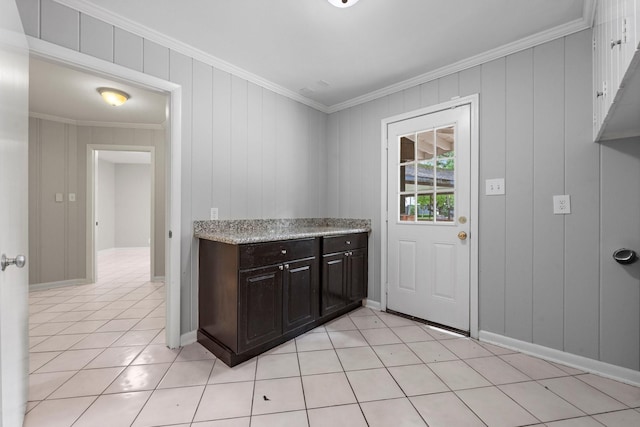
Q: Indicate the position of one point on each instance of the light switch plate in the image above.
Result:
(59, 197)
(562, 204)
(494, 187)
(214, 214)
(72, 197)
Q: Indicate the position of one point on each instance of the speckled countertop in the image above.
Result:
(242, 231)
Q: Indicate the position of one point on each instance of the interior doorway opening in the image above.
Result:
(124, 211)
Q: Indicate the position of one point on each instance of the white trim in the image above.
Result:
(61, 283)
(373, 305)
(71, 58)
(482, 58)
(618, 373)
(119, 21)
(157, 278)
(51, 117)
(188, 338)
(474, 102)
(92, 251)
(181, 47)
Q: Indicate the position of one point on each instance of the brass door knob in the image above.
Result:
(462, 235)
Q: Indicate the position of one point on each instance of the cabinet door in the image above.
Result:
(334, 279)
(300, 287)
(260, 306)
(357, 275)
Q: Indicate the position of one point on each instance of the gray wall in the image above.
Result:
(245, 150)
(58, 164)
(56, 229)
(546, 279)
(132, 205)
(105, 205)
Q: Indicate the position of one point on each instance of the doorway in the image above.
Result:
(430, 166)
(122, 208)
(170, 149)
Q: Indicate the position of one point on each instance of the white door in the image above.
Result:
(14, 84)
(429, 200)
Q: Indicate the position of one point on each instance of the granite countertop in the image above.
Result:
(237, 232)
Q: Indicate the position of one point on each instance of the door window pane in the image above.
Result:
(426, 149)
(445, 208)
(407, 207)
(425, 207)
(407, 148)
(425, 176)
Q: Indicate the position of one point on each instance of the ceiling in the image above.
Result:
(61, 92)
(331, 55)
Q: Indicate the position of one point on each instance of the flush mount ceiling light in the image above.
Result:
(112, 96)
(343, 3)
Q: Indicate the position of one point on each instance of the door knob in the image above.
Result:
(462, 235)
(18, 261)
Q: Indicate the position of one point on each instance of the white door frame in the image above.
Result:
(473, 101)
(64, 56)
(92, 271)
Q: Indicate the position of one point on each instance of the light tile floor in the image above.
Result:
(98, 359)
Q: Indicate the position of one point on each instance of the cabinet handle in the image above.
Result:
(350, 253)
(346, 254)
(614, 43)
(281, 267)
(599, 94)
(286, 266)
(348, 242)
(283, 252)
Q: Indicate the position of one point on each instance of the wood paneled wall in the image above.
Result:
(546, 279)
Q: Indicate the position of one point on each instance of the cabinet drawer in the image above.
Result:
(261, 254)
(343, 242)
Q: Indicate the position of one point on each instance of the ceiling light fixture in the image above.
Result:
(113, 97)
(343, 3)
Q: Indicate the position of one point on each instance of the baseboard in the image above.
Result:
(373, 305)
(157, 279)
(188, 338)
(52, 285)
(618, 373)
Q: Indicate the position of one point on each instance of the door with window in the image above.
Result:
(429, 199)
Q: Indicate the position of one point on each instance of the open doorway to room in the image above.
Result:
(124, 211)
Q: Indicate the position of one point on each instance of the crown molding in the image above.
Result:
(585, 22)
(185, 49)
(473, 61)
(65, 120)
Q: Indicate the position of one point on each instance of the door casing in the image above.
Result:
(473, 101)
(67, 57)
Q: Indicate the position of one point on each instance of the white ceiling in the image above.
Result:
(62, 92)
(333, 55)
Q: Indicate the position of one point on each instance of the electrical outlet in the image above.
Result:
(72, 197)
(214, 213)
(59, 197)
(562, 204)
(494, 187)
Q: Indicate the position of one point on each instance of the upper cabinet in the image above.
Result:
(616, 69)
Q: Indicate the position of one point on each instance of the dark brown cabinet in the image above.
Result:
(344, 271)
(260, 306)
(253, 297)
